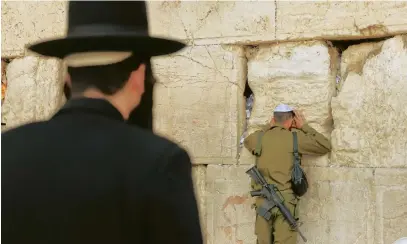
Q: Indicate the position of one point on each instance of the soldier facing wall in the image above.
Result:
(356, 97)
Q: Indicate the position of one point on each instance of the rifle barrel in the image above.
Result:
(299, 232)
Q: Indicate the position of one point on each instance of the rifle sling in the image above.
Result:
(297, 158)
(258, 149)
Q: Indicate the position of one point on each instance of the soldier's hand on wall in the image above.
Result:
(299, 119)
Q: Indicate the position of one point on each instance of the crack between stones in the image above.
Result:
(215, 68)
(249, 101)
(275, 19)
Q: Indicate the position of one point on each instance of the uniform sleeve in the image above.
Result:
(250, 142)
(174, 216)
(311, 142)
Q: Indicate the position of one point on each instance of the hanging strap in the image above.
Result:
(257, 150)
(297, 158)
(297, 172)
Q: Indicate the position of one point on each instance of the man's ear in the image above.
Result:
(136, 79)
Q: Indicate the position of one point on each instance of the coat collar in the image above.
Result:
(279, 126)
(92, 106)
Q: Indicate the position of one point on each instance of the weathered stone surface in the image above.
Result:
(3, 80)
(199, 178)
(230, 218)
(300, 74)
(354, 57)
(3, 71)
(370, 111)
(227, 22)
(24, 22)
(339, 206)
(3, 89)
(309, 19)
(201, 22)
(197, 101)
(391, 210)
(340, 19)
(34, 90)
(220, 22)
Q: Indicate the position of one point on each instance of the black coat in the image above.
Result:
(86, 176)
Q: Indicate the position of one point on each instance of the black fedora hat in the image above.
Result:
(107, 26)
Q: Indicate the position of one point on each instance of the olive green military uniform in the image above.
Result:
(275, 164)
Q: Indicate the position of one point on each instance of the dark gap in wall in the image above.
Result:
(341, 46)
(249, 97)
(247, 90)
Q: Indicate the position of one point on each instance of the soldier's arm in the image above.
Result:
(311, 142)
(174, 216)
(250, 142)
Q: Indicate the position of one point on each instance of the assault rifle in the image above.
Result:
(272, 200)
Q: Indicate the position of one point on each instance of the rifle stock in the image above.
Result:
(271, 200)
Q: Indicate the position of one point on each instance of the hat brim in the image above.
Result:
(139, 44)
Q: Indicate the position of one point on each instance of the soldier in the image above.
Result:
(276, 164)
(88, 175)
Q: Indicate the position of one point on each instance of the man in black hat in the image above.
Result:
(92, 173)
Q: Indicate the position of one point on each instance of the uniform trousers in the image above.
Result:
(277, 230)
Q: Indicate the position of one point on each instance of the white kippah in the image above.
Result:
(283, 108)
(86, 59)
(401, 241)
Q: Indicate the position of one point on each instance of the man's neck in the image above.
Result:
(116, 101)
(281, 125)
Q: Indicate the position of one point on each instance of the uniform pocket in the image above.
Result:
(292, 205)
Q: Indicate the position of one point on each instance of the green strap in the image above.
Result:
(297, 159)
(297, 173)
(257, 150)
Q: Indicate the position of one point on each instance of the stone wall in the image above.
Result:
(357, 193)
(34, 90)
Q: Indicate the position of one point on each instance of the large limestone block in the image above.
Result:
(230, 218)
(339, 206)
(25, 22)
(300, 74)
(391, 210)
(197, 101)
(34, 90)
(213, 22)
(370, 110)
(339, 19)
